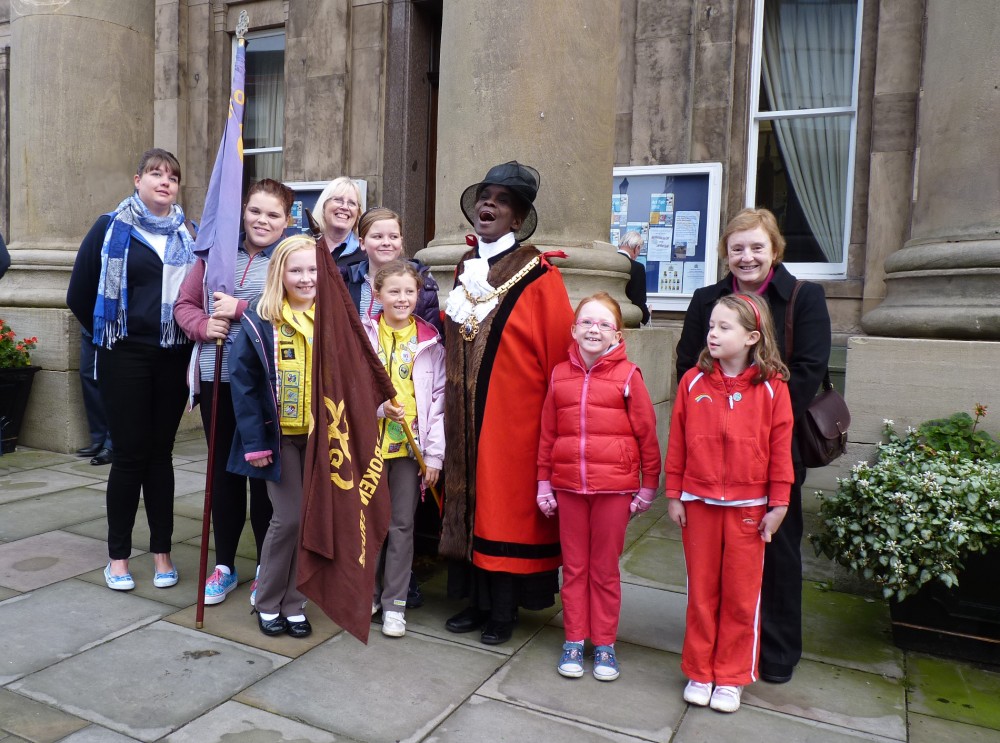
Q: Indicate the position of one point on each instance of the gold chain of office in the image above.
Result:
(470, 328)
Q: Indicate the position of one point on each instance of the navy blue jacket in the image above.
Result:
(427, 298)
(254, 383)
(4, 257)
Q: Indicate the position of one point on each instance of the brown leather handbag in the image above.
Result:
(822, 432)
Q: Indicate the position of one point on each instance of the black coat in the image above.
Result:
(635, 289)
(811, 342)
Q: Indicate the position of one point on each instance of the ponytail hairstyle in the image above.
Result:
(273, 296)
(753, 313)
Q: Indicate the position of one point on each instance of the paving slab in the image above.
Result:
(702, 725)
(390, 690)
(488, 721)
(924, 729)
(53, 623)
(150, 682)
(82, 467)
(6, 593)
(42, 513)
(197, 465)
(656, 562)
(237, 722)
(246, 548)
(185, 529)
(644, 702)
(953, 690)
(841, 697)
(33, 562)
(186, 559)
(429, 619)
(189, 482)
(850, 631)
(642, 523)
(96, 734)
(191, 449)
(232, 620)
(29, 459)
(29, 483)
(665, 528)
(33, 721)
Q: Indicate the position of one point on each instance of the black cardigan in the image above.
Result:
(811, 328)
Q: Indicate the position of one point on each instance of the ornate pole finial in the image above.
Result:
(242, 24)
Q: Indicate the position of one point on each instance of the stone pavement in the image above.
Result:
(82, 664)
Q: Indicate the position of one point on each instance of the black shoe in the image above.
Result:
(103, 457)
(467, 620)
(271, 627)
(496, 633)
(775, 673)
(89, 451)
(414, 598)
(299, 629)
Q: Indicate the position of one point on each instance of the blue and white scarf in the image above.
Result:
(111, 309)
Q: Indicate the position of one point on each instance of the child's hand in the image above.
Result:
(260, 461)
(642, 501)
(546, 501)
(677, 512)
(771, 521)
(394, 412)
(225, 306)
(431, 476)
(218, 327)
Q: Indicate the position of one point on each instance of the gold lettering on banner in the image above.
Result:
(364, 540)
(340, 452)
(366, 489)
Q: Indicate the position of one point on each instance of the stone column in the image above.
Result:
(533, 82)
(79, 119)
(945, 281)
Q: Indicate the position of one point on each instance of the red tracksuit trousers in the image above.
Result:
(725, 561)
(592, 535)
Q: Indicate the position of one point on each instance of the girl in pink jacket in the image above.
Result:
(598, 434)
(413, 354)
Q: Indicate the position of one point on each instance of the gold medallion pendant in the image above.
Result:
(470, 328)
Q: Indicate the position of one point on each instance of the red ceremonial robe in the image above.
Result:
(495, 390)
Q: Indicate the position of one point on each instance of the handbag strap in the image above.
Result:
(789, 333)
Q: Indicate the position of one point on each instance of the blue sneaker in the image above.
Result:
(571, 662)
(218, 586)
(605, 663)
(165, 580)
(118, 582)
(253, 588)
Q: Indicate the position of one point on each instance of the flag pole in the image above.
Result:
(206, 519)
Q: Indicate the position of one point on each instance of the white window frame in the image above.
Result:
(232, 71)
(804, 270)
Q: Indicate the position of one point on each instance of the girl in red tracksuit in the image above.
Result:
(598, 434)
(729, 474)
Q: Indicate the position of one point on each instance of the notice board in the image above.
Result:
(676, 209)
(306, 193)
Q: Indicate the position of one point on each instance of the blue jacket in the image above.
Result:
(253, 382)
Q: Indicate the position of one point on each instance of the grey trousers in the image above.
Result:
(392, 580)
(279, 558)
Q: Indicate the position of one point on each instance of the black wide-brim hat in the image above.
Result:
(522, 180)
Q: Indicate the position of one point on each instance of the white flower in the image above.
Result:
(887, 422)
(957, 526)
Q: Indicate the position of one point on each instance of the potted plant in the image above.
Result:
(16, 376)
(923, 522)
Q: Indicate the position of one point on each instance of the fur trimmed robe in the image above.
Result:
(496, 385)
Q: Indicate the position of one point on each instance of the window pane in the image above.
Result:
(264, 165)
(802, 169)
(264, 117)
(808, 54)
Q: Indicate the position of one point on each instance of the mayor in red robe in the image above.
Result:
(507, 325)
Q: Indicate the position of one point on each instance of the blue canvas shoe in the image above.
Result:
(118, 582)
(219, 585)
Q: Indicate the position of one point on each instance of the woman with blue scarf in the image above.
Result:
(124, 285)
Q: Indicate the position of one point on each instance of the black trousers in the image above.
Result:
(229, 491)
(97, 422)
(143, 388)
(781, 591)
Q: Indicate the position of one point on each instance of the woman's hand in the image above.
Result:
(677, 512)
(394, 412)
(431, 476)
(771, 521)
(261, 461)
(225, 306)
(218, 327)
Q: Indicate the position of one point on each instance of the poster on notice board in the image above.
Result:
(676, 210)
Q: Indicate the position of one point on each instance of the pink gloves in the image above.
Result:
(642, 500)
(545, 499)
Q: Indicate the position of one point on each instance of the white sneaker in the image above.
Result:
(393, 624)
(726, 698)
(697, 693)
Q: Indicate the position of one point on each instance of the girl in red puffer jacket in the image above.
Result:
(598, 434)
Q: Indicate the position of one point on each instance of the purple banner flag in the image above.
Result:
(220, 221)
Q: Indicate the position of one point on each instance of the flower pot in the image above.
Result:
(961, 622)
(15, 386)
